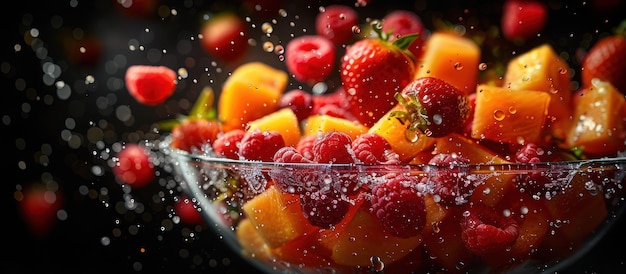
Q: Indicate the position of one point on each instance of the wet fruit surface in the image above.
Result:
(60, 115)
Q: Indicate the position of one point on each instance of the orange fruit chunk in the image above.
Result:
(509, 115)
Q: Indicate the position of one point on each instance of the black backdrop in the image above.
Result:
(76, 243)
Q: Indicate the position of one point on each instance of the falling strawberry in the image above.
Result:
(150, 85)
(433, 106)
(372, 71)
(606, 60)
(522, 20)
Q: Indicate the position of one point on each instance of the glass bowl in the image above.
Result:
(263, 220)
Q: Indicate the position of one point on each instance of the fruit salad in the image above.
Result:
(423, 159)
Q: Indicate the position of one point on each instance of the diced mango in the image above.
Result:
(407, 147)
(541, 69)
(364, 238)
(283, 121)
(252, 91)
(492, 186)
(277, 216)
(509, 115)
(325, 123)
(598, 126)
(252, 243)
(452, 58)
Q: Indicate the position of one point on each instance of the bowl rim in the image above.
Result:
(226, 231)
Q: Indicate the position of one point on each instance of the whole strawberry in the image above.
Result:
(433, 106)
(372, 71)
(606, 60)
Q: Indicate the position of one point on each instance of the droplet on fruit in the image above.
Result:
(498, 115)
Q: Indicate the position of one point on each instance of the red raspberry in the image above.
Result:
(324, 208)
(335, 22)
(447, 181)
(187, 211)
(371, 149)
(150, 85)
(337, 98)
(534, 182)
(227, 144)
(260, 145)
(299, 101)
(336, 111)
(133, 166)
(333, 147)
(299, 180)
(485, 230)
(399, 206)
(310, 58)
(195, 134)
(305, 145)
(404, 22)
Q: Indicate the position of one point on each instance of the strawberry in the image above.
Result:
(606, 60)
(335, 22)
(310, 58)
(133, 166)
(372, 71)
(433, 106)
(150, 85)
(523, 19)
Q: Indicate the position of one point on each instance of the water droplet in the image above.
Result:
(268, 46)
(458, 66)
(356, 29)
(512, 110)
(498, 115)
(377, 264)
(482, 66)
(267, 28)
(411, 136)
(279, 49)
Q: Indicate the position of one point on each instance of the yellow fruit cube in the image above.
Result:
(326, 123)
(283, 121)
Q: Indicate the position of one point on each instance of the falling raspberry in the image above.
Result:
(333, 147)
(260, 145)
(447, 182)
(371, 148)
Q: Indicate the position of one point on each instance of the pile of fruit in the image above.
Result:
(380, 173)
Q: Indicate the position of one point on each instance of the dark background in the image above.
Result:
(143, 241)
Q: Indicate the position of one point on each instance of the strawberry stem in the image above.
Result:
(413, 113)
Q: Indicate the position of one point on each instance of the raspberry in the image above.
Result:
(299, 101)
(227, 144)
(371, 148)
(399, 206)
(298, 181)
(195, 134)
(324, 208)
(150, 85)
(335, 22)
(485, 231)
(310, 58)
(337, 98)
(305, 146)
(333, 147)
(533, 182)
(133, 166)
(260, 145)
(336, 111)
(447, 182)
